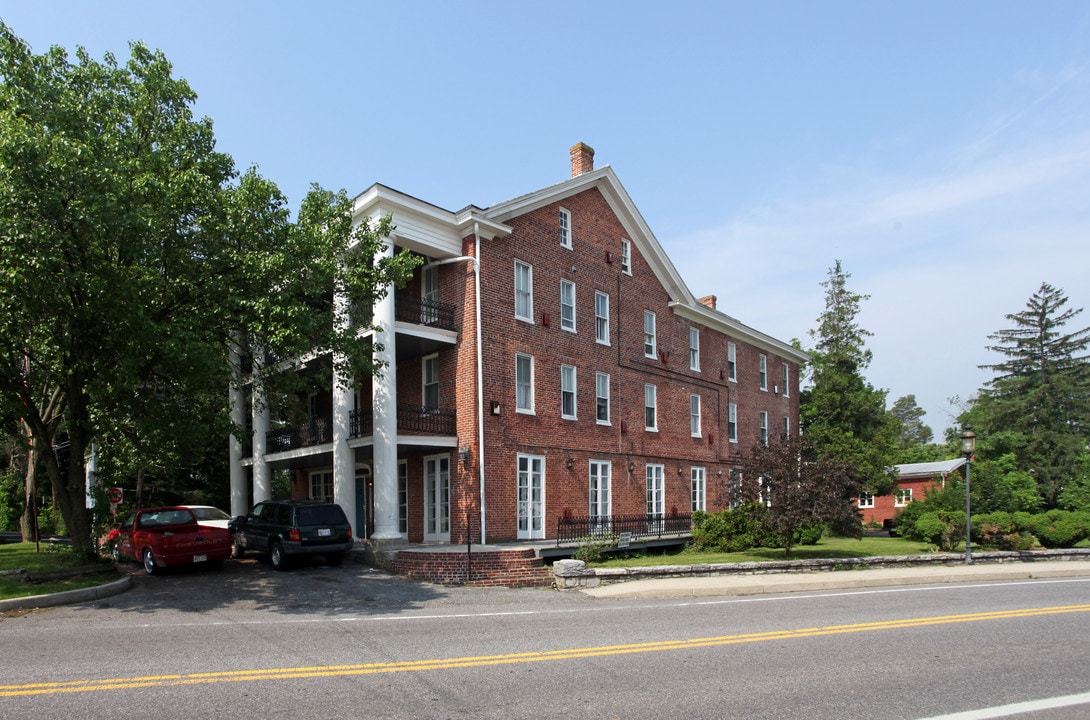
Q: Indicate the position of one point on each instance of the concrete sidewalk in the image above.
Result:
(761, 584)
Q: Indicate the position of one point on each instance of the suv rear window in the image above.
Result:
(322, 515)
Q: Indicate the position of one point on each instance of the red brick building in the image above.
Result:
(915, 480)
(545, 361)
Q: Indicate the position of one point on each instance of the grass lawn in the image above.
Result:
(22, 556)
(829, 547)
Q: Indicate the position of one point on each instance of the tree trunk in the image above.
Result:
(28, 522)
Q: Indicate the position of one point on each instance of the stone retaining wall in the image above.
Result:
(575, 575)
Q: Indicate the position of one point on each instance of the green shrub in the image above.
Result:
(734, 530)
(810, 535)
(1000, 531)
(1059, 528)
(945, 529)
(591, 548)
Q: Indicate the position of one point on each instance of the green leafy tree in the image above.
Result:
(911, 430)
(1040, 395)
(802, 489)
(133, 257)
(842, 414)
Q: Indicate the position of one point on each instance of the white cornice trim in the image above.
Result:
(714, 319)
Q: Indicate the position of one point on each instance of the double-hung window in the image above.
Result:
(626, 257)
(524, 383)
(764, 427)
(902, 497)
(601, 318)
(650, 407)
(601, 398)
(650, 342)
(786, 380)
(866, 499)
(567, 305)
(694, 415)
(524, 291)
(732, 362)
(567, 392)
(694, 349)
(565, 229)
(431, 383)
(762, 371)
(732, 422)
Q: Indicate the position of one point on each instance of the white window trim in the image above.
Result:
(530, 410)
(565, 229)
(324, 480)
(656, 481)
(529, 292)
(732, 422)
(605, 470)
(574, 415)
(651, 402)
(600, 337)
(786, 426)
(424, 361)
(695, 412)
(598, 396)
(763, 425)
(762, 372)
(626, 256)
(732, 362)
(699, 488)
(563, 326)
(902, 497)
(786, 380)
(694, 349)
(650, 336)
(866, 500)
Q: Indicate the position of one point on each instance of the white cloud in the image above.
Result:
(944, 255)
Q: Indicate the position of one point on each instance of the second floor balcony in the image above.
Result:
(411, 420)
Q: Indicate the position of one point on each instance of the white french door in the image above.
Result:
(600, 495)
(531, 497)
(437, 498)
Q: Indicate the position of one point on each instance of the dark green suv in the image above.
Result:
(291, 529)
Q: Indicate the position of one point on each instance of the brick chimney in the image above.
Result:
(582, 159)
(709, 300)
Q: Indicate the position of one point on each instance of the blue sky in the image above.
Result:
(940, 150)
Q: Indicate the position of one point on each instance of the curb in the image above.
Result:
(68, 596)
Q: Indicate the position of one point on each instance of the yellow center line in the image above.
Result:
(326, 671)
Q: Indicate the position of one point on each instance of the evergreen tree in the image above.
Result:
(1041, 392)
(911, 430)
(841, 413)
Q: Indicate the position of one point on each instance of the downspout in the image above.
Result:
(480, 371)
(480, 390)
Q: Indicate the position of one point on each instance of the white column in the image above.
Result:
(384, 388)
(262, 480)
(239, 501)
(344, 475)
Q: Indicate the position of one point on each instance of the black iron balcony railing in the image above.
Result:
(639, 528)
(317, 432)
(410, 419)
(420, 311)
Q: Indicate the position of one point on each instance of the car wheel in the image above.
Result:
(149, 563)
(277, 557)
(334, 558)
(237, 551)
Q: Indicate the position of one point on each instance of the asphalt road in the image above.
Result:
(248, 642)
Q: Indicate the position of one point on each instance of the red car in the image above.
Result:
(169, 537)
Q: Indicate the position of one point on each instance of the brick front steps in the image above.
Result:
(504, 568)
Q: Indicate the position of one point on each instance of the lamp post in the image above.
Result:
(968, 447)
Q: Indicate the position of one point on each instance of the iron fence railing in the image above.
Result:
(636, 528)
(421, 311)
(410, 419)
